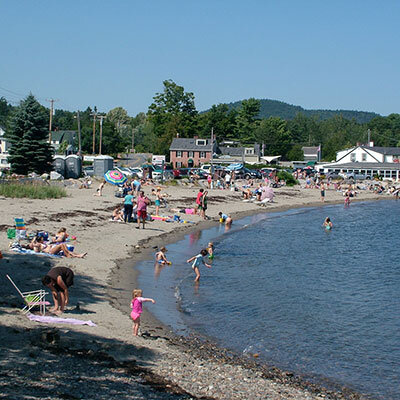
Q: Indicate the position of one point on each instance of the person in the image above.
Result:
(210, 249)
(118, 214)
(322, 192)
(142, 203)
(99, 191)
(209, 180)
(137, 308)
(199, 201)
(204, 201)
(225, 218)
(347, 198)
(39, 246)
(128, 207)
(136, 185)
(158, 200)
(196, 263)
(228, 180)
(61, 236)
(58, 280)
(327, 224)
(161, 258)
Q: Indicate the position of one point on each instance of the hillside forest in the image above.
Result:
(282, 129)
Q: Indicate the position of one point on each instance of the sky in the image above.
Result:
(341, 54)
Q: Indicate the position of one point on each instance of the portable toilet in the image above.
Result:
(59, 164)
(102, 164)
(73, 166)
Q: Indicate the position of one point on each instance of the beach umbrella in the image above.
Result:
(267, 193)
(115, 177)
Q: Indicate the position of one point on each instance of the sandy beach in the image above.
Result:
(106, 361)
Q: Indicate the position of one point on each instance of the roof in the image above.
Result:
(231, 151)
(310, 150)
(394, 151)
(63, 136)
(362, 165)
(190, 144)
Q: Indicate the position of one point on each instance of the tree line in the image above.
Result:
(173, 113)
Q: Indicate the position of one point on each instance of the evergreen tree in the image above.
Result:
(28, 134)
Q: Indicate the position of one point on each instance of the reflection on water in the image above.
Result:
(322, 303)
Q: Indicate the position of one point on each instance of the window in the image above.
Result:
(353, 157)
(202, 154)
(178, 164)
(178, 154)
(190, 153)
(249, 151)
(364, 156)
(201, 142)
(386, 159)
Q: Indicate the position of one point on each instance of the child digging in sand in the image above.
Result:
(161, 258)
(137, 309)
(196, 263)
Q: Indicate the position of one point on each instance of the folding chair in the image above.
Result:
(20, 228)
(32, 299)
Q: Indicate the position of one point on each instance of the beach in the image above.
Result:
(71, 361)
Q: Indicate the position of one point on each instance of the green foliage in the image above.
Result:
(288, 178)
(172, 113)
(18, 190)
(295, 153)
(28, 134)
(274, 108)
(5, 110)
(246, 120)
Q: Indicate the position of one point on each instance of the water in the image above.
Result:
(324, 304)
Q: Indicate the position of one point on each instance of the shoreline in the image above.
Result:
(210, 348)
(113, 248)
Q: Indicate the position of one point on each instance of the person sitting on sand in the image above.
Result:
(58, 280)
(161, 258)
(327, 224)
(61, 236)
(118, 214)
(247, 193)
(40, 247)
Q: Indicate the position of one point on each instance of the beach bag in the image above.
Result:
(20, 234)
(11, 233)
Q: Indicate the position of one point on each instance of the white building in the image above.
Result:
(368, 160)
(4, 147)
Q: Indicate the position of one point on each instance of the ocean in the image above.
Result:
(322, 304)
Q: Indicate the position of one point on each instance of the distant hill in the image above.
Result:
(275, 108)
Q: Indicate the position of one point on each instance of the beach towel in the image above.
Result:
(58, 320)
(20, 250)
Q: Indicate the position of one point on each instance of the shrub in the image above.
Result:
(288, 178)
(21, 190)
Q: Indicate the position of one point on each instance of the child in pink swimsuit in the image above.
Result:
(137, 309)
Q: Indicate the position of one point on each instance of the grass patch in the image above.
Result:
(30, 191)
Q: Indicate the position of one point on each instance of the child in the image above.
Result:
(327, 224)
(196, 263)
(161, 258)
(210, 250)
(224, 218)
(136, 306)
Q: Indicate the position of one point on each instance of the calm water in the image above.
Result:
(322, 304)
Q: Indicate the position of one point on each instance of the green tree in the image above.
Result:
(172, 113)
(28, 134)
(274, 134)
(295, 153)
(220, 119)
(246, 120)
(5, 110)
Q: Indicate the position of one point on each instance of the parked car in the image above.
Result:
(354, 176)
(332, 175)
(126, 171)
(245, 173)
(137, 171)
(88, 171)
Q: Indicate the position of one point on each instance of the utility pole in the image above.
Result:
(369, 136)
(101, 131)
(79, 134)
(94, 114)
(52, 101)
(212, 148)
(133, 140)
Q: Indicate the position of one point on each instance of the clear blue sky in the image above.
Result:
(341, 54)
